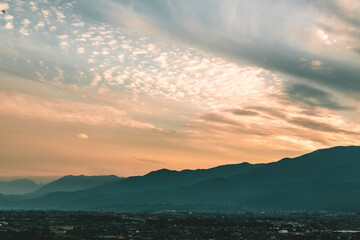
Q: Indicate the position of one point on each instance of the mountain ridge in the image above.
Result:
(323, 180)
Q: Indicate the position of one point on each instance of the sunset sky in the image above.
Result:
(126, 87)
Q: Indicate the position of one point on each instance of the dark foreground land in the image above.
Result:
(102, 225)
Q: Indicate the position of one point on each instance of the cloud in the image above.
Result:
(148, 160)
(314, 97)
(82, 136)
(223, 70)
(33, 107)
(281, 123)
(9, 25)
(40, 24)
(324, 37)
(220, 118)
(24, 32)
(78, 24)
(26, 22)
(316, 65)
(81, 50)
(247, 33)
(242, 112)
(346, 11)
(4, 6)
(318, 126)
(8, 17)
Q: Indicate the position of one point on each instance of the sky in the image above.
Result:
(126, 87)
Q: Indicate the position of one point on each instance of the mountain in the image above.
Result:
(18, 186)
(73, 183)
(324, 180)
(165, 179)
(125, 189)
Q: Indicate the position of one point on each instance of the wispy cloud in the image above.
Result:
(27, 106)
(148, 160)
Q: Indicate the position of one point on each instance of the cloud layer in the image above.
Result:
(212, 81)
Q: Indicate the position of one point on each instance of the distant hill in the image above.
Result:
(324, 180)
(132, 187)
(73, 183)
(17, 187)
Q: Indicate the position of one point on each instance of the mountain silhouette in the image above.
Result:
(72, 183)
(324, 180)
(18, 186)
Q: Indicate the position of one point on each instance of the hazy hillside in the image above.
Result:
(19, 186)
(73, 183)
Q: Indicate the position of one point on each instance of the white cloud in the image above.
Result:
(60, 76)
(316, 65)
(82, 136)
(81, 50)
(105, 51)
(112, 42)
(4, 6)
(162, 60)
(121, 57)
(126, 46)
(40, 24)
(9, 25)
(8, 17)
(46, 13)
(64, 44)
(96, 80)
(60, 15)
(78, 24)
(33, 6)
(324, 38)
(24, 32)
(139, 51)
(63, 37)
(26, 22)
(151, 48)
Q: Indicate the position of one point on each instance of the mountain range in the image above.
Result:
(323, 180)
